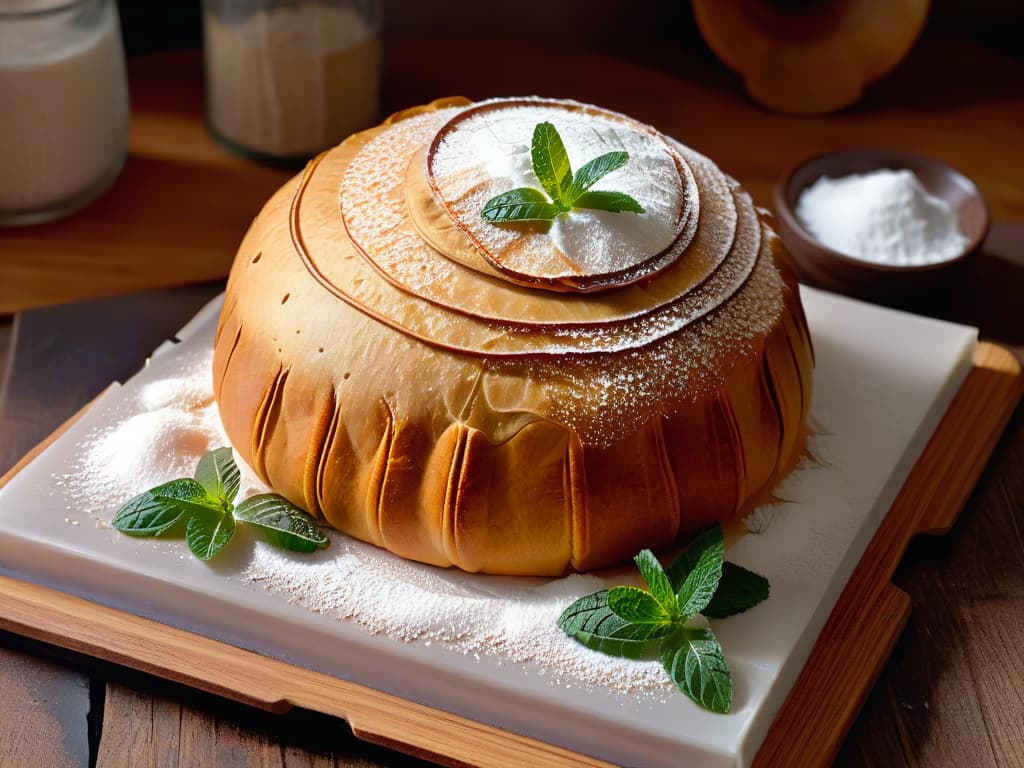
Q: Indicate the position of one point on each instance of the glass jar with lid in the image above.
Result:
(64, 95)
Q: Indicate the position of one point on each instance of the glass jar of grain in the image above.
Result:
(286, 79)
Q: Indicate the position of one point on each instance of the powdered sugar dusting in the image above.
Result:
(375, 198)
(488, 153)
(154, 437)
(375, 221)
(875, 387)
(659, 362)
(514, 620)
(161, 430)
(614, 395)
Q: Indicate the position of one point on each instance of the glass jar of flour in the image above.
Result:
(64, 102)
(286, 79)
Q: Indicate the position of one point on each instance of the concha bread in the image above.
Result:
(484, 396)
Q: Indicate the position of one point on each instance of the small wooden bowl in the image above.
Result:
(820, 265)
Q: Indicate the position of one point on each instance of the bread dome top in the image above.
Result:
(476, 353)
(390, 223)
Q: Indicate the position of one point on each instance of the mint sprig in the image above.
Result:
(635, 623)
(566, 192)
(591, 621)
(205, 505)
(693, 659)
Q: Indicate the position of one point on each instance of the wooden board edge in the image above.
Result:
(990, 394)
(81, 626)
(839, 673)
(845, 668)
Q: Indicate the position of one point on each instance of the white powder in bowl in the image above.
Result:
(884, 217)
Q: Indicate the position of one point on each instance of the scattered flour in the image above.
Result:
(160, 430)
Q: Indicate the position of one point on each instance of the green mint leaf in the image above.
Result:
(208, 531)
(158, 509)
(657, 580)
(553, 170)
(219, 475)
(701, 582)
(282, 523)
(595, 170)
(738, 591)
(551, 163)
(693, 659)
(637, 606)
(522, 204)
(680, 568)
(616, 202)
(594, 624)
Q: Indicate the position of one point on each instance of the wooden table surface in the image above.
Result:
(951, 693)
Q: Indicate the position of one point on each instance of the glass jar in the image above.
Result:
(64, 98)
(286, 79)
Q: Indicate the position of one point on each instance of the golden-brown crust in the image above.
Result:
(367, 411)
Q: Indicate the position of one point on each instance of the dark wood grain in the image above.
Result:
(150, 723)
(871, 613)
(6, 334)
(951, 692)
(46, 703)
(150, 728)
(147, 721)
(46, 707)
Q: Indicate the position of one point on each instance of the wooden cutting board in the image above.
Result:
(847, 657)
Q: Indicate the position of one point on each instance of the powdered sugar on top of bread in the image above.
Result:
(603, 379)
(488, 153)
